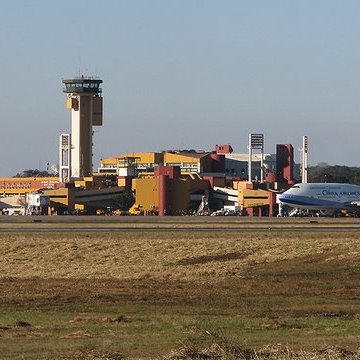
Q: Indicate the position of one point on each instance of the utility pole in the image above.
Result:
(304, 164)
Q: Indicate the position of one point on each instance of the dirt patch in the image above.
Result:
(338, 314)
(213, 258)
(225, 352)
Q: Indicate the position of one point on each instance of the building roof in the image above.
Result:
(245, 157)
(192, 155)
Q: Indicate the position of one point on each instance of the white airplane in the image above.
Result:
(327, 197)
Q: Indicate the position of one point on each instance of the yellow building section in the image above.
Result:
(113, 161)
(178, 194)
(178, 158)
(147, 193)
(145, 174)
(86, 182)
(193, 163)
(148, 158)
(251, 198)
(181, 190)
(62, 197)
(121, 182)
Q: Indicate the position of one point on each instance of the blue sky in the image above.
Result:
(182, 74)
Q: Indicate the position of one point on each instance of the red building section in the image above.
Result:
(28, 184)
(270, 177)
(223, 149)
(173, 172)
(164, 173)
(217, 163)
(163, 192)
(285, 163)
(219, 181)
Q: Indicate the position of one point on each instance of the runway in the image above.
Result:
(174, 224)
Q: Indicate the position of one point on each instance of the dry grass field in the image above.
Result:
(179, 294)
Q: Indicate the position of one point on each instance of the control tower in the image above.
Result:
(86, 104)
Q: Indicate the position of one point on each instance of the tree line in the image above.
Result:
(34, 173)
(324, 173)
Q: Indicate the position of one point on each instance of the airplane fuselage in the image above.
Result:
(318, 196)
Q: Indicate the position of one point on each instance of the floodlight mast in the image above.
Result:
(256, 141)
(64, 158)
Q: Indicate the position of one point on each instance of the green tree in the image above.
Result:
(334, 174)
(33, 173)
(125, 200)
